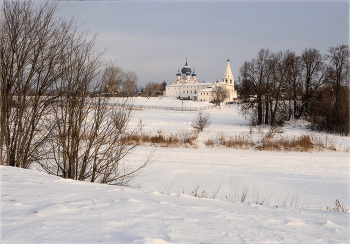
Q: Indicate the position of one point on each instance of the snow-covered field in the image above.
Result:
(163, 101)
(38, 208)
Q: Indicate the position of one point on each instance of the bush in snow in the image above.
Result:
(201, 122)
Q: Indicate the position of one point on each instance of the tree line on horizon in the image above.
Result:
(281, 86)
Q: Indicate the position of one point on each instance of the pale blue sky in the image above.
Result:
(154, 38)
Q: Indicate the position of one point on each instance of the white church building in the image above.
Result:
(186, 86)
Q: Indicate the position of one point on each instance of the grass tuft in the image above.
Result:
(163, 140)
(270, 142)
(338, 207)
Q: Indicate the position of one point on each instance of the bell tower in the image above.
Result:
(228, 77)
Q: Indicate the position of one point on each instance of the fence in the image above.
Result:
(167, 107)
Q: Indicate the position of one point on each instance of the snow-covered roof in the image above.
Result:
(206, 90)
(189, 84)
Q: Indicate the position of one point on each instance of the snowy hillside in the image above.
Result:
(190, 194)
(38, 208)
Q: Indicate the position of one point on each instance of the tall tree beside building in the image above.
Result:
(219, 94)
(129, 85)
(112, 80)
(153, 89)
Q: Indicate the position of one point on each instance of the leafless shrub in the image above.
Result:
(338, 207)
(244, 193)
(201, 122)
(204, 194)
(209, 142)
(239, 142)
(260, 199)
(302, 143)
(196, 193)
(159, 138)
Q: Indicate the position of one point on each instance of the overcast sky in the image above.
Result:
(154, 38)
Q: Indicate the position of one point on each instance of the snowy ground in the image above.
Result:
(37, 208)
(163, 101)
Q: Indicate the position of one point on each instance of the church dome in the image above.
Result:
(178, 73)
(186, 69)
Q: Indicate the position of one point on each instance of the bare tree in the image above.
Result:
(88, 140)
(129, 84)
(219, 94)
(313, 71)
(71, 134)
(254, 75)
(153, 89)
(293, 85)
(112, 80)
(338, 72)
(31, 42)
(330, 107)
(300, 86)
(201, 122)
(280, 73)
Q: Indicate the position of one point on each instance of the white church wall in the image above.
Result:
(186, 86)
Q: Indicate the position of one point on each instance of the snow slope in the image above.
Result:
(38, 208)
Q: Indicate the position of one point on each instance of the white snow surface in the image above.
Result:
(162, 101)
(296, 187)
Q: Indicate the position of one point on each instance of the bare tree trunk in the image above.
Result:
(266, 109)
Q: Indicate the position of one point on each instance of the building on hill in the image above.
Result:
(186, 86)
